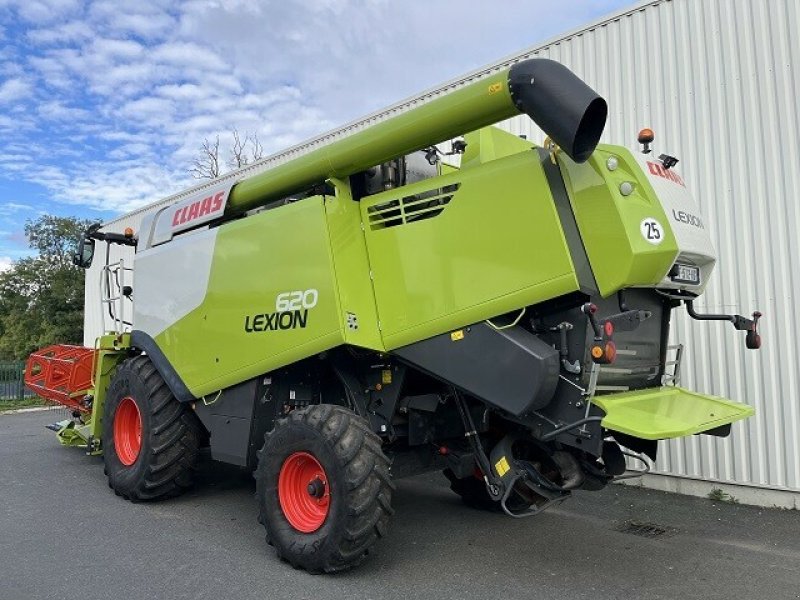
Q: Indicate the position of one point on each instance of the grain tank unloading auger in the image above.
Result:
(360, 306)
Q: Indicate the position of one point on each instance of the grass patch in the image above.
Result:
(25, 403)
(718, 495)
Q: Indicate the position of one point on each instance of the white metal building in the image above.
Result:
(719, 83)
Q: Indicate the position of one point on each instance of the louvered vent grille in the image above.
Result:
(408, 209)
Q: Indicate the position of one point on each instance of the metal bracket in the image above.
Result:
(753, 340)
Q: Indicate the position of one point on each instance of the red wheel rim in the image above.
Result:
(303, 492)
(127, 431)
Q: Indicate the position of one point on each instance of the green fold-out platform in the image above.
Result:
(667, 412)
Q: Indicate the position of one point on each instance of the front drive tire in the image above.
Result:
(150, 440)
(323, 488)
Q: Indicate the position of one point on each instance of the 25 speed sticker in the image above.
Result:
(652, 231)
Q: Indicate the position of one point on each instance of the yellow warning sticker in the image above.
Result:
(457, 335)
(495, 87)
(386, 376)
(502, 467)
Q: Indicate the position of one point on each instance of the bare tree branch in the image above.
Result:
(244, 151)
(258, 149)
(238, 151)
(206, 166)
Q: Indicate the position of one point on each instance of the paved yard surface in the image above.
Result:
(64, 534)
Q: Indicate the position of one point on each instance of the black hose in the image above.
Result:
(472, 436)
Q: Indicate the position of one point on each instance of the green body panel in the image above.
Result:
(609, 223)
(477, 105)
(350, 261)
(667, 412)
(73, 434)
(497, 246)
(112, 349)
(255, 259)
(491, 143)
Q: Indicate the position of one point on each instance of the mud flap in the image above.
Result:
(668, 412)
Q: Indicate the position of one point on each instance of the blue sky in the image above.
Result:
(103, 105)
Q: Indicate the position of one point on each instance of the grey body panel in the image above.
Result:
(237, 421)
(511, 369)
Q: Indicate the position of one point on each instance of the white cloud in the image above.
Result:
(110, 49)
(45, 11)
(15, 206)
(12, 90)
(113, 135)
(52, 72)
(187, 54)
(9, 68)
(119, 94)
(55, 110)
(15, 125)
(130, 151)
(147, 108)
(124, 185)
(73, 31)
(5, 263)
(143, 25)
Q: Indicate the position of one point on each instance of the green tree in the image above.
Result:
(41, 297)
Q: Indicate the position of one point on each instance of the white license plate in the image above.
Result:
(686, 274)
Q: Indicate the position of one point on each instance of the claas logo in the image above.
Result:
(657, 169)
(201, 208)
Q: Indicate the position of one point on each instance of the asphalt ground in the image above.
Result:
(64, 534)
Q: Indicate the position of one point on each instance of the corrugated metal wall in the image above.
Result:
(718, 81)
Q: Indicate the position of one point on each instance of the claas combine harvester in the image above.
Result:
(365, 312)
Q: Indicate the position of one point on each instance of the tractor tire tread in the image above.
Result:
(367, 485)
(174, 435)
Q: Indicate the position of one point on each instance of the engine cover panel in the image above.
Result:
(511, 369)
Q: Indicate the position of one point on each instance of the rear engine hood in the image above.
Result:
(688, 225)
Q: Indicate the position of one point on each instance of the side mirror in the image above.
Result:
(83, 257)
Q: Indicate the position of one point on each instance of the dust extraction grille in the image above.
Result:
(408, 209)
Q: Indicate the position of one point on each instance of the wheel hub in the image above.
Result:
(127, 431)
(316, 488)
(303, 492)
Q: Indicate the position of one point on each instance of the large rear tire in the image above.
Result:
(323, 487)
(150, 440)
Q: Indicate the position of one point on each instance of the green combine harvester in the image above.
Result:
(365, 312)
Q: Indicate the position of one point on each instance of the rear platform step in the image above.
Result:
(668, 412)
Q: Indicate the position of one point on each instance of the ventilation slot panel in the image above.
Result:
(405, 210)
